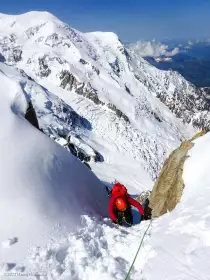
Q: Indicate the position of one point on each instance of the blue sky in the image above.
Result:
(130, 19)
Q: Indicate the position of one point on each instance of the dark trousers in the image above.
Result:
(126, 216)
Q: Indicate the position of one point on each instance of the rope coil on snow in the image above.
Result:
(129, 272)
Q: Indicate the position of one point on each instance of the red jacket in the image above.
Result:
(131, 201)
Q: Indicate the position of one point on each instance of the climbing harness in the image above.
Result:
(129, 272)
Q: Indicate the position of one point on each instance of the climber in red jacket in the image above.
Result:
(120, 205)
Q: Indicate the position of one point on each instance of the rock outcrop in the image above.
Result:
(31, 115)
(69, 82)
(169, 186)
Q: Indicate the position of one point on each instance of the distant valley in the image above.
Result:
(192, 61)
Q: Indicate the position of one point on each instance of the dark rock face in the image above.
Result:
(141, 80)
(11, 52)
(79, 153)
(2, 58)
(156, 116)
(115, 66)
(93, 97)
(53, 37)
(193, 108)
(82, 155)
(118, 112)
(43, 67)
(127, 89)
(67, 79)
(83, 61)
(31, 115)
(72, 149)
(73, 35)
(98, 157)
(17, 55)
(33, 30)
(96, 70)
(69, 82)
(85, 163)
(55, 40)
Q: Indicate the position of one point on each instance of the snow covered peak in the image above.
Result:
(26, 20)
(21, 27)
(96, 71)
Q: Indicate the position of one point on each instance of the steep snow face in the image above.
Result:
(180, 239)
(176, 246)
(44, 189)
(95, 75)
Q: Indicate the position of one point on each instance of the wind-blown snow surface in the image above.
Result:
(44, 189)
(176, 246)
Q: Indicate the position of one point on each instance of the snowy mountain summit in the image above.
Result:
(112, 109)
(125, 100)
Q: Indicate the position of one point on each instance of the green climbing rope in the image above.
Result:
(129, 272)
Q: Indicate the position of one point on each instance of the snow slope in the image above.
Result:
(44, 189)
(176, 246)
(180, 240)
